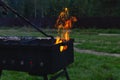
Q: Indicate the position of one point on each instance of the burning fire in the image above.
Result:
(64, 24)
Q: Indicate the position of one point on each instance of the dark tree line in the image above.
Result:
(43, 8)
(102, 13)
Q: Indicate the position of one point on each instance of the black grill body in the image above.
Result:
(37, 56)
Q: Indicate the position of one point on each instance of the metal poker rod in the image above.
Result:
(7, 7)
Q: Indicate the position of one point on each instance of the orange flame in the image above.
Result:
(63, 24)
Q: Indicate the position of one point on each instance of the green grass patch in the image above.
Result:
(91, 67)
(110, 44)
(90, 39)
(23, 31)
(95, 31)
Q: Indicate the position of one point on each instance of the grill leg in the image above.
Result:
(61, 73)
(45, 77)
(66, 74)
(0, 72)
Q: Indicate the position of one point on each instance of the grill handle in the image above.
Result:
(5, 6)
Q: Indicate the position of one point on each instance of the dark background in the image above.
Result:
(90, 13)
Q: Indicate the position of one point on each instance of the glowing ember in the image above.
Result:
(64, 24)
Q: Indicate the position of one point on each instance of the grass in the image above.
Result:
(110, 44)
(24, 31)
(90, 39)
(91, 67)
(96, 31)
(85, 66)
